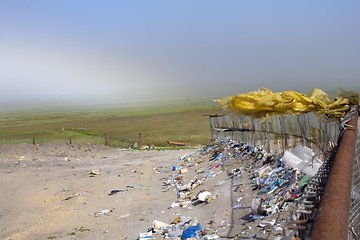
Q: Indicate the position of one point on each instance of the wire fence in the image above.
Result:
(303, 216)
(123, 141)
(280, 133)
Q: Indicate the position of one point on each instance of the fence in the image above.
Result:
(280, 133)
(123, 141)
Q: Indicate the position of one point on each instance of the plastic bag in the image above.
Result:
(263, 103)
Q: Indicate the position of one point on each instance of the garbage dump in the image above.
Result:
(231, 190)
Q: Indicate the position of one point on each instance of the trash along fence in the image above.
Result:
(329, 208)
(232, 190)
(278, 133)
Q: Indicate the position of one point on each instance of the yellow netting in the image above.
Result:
(263, 103)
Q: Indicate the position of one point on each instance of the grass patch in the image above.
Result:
(182, 122)
(82, 229)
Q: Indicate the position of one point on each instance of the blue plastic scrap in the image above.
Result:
(176, 168)
(253, 218)
(191, 231)
(237, 206)
(275, 183)
(219, 156)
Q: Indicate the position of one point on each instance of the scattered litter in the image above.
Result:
(204, 196)
(145, 235)
(303, 159)
(103, 212)
(237, 206)
(124, 216)
(274, 186)
(77, 195)
(158, 224)
(177, 168)
(267, 223)
(277, 228)
(191, 231)
(94, 172)
(115, 191)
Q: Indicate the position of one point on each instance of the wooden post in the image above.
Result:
(241, 127)
(140, 140)
(33, 141)
(70, 140)
(286, 144)
(267, 129)
(106, 139)
(325, 138)
(253, 133)
(211, 128)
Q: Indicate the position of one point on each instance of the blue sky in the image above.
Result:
(93, 52)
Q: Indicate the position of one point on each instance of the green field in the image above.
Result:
(181, 121)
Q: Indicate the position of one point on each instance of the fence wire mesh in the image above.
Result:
(306, 209)
(280, 133)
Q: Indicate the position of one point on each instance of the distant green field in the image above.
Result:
(182, 121)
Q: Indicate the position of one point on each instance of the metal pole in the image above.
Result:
(332, 218)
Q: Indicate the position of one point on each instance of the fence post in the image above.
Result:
(332, 218)
(267, 129)
(106, 139)
(283, 131)
(140, 140)
(211, 128)
(241, 126)
(253, 133)
(307, 128)
(326, 138)
(33, 141)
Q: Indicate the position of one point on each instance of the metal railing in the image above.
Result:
(333, 214)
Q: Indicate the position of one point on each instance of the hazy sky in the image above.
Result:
(95, 51)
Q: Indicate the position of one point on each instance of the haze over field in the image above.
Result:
(95, 52)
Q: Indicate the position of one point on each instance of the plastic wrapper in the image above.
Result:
(263, 103)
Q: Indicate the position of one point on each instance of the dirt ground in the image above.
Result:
(56, 192)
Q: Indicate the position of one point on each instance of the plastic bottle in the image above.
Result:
(176, 233)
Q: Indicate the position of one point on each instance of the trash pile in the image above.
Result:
(233, 190)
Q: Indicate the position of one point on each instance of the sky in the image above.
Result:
(94, 51)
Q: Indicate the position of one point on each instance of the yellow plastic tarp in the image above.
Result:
(263, 103)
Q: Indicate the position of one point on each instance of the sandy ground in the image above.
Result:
(48, 193)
